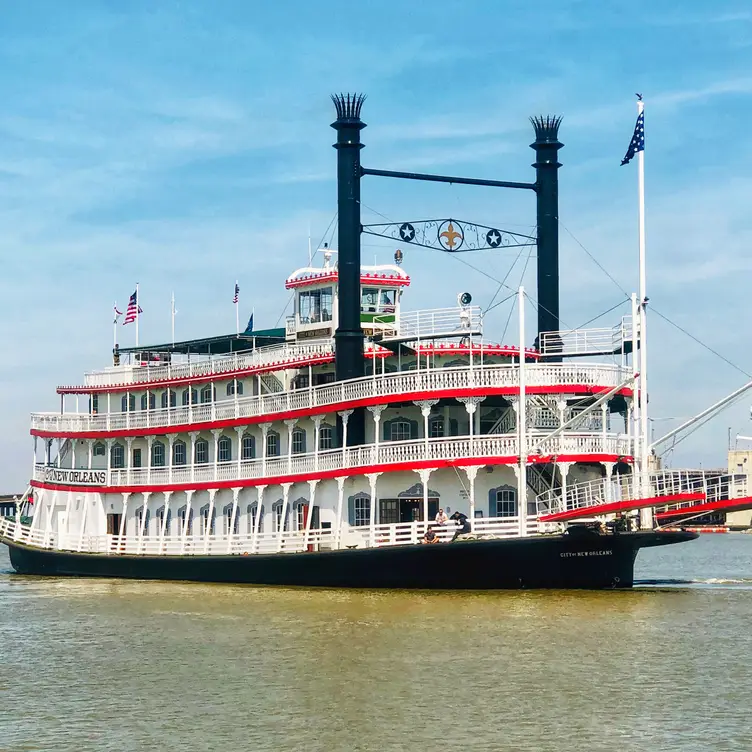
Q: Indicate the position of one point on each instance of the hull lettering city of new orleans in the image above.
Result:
(568, 554)
(74, 477)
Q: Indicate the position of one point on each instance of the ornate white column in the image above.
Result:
(239, 430)
(163, 529)
(207, 529)
(108, 449)
(216, 433)
(425, 474)
(129, 459)
(285, 499)
(311, 503)
(372, 478)
(472, 472)
(73, 453)
(142, 521)
(317, 420)
(345, 415)
(170, 441)
(290, 428)
(89, 448)
(604, 424)
(376, 411)
(186, 522)
(233, 517)
(471, 405)
(257, 521)
(264, 433)
(338, 521)
(123, 527)
(425, 410)
(564, 471)
(194, 435)
(520, 473)
(609, 466)
(149, 446)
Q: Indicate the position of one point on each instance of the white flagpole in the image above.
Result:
(172, 315)
(138, 304)
(114, 325)
(646, 515)
(237, 310)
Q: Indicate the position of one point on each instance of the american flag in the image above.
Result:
(638, 139)
(237, 293)
(133, 309)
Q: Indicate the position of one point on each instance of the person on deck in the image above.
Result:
(430, 536)
(441, 517)
(462, 520)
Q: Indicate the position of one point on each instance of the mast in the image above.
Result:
(547, 165)
(138, 304)
(521, 425)
(348, 338)
(646, 515)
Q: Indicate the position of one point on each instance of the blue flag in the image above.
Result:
(249, 328)
(638, 139)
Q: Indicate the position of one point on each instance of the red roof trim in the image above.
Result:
(388, 280)
(324, 409)
(441, 349)
(619, 506)
(323, 475)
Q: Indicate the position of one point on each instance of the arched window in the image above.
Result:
(359, 509)
(117, 456)
(190, 394)
(231, 388)
(224, 448)
(272, 444)
(201, 452)
(249, 447)
(181, 520)
(99, 449)
(207, 393)
(400, 429)
(179, 455)
(172, 400)
(298, 513)
(230, 526)
(298, 441)
(326, 437)
(94, 404)
(142, 518)
(502, 502)
(163, 526)
(158, 454)
(277, 516)
(207, 526)
(436, 427)
(251, 512)
(151, 401)
(127, 403)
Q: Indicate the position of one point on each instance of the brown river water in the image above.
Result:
(121, 665)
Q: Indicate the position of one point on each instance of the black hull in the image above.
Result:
(589, 561)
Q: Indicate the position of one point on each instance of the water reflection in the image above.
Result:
(121, 665)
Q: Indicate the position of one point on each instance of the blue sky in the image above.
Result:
(186, 144)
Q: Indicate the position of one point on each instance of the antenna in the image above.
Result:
(310, 255)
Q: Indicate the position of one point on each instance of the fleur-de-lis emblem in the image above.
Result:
(449, 237)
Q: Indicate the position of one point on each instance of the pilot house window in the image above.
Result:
(315, 306)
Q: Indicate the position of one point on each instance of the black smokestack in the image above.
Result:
(348, 338)
(547, 165)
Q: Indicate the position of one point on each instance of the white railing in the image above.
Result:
(263, 356)
(598, 341)
(404, 533)
(435, 323)
(666, 483)
(378, 385)
(387, 453)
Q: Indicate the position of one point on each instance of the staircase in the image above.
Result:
(270, 384)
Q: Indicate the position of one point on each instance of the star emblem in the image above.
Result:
(493, 238)
(407, 232)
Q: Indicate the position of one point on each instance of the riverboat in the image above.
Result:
(329, 452)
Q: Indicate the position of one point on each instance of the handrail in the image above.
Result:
(385, 453)
(378, 385)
